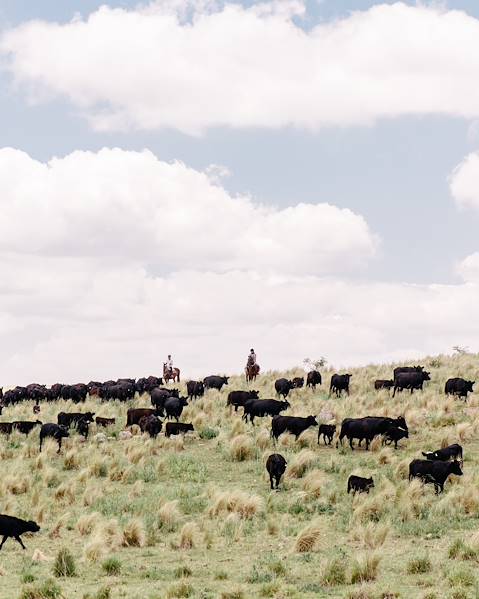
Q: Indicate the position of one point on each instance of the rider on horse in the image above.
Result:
(251, 358)
(169, 364)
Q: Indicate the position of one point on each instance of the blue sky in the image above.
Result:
(392, 171)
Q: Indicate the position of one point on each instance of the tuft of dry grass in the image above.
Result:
(187, 535)
(169, 516)
(304, 460)
(308, 539)
(365, 568)
(244, 504)
(242, 448)
(134, 534)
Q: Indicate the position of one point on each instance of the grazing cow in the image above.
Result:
(195, 389)
(382, 384)
(83, 427)
(104, 421)
(293, 424)
(410, 380)
(313, 379)
(239, 398)
(403, 369)
(263, 407)
(24, 426)
(358, 484)
(134, 415)
(15, 528)
(174, 407)
(177, 428)
(283, 387)
(298, 382)
(327, 430)
(367, 428)
(339, 383)
(453, 451)
(6, 428)
(56, 431)
(215, 382)
(151, 425)
(459, 387)
(159, 396)
(435, 472)
(394, 434)
(275, 465)
(71, 418)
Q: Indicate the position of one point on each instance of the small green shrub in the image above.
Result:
(334, 572)
(111, 566)
(46, 590)
(64, 565)
(182, 572)
(419, 565)
(181, 589)
(208, 433)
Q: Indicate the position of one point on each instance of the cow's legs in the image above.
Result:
(17, 538)
(3, 541)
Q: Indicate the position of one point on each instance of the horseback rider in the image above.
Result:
(251, 358)
(169, 364)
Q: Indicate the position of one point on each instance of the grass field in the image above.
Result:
(194, 517)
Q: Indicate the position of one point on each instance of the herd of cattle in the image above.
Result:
(167, 404)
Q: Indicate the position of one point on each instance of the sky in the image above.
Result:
(199, 178)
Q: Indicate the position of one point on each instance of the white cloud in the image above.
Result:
(130, 206)
(111, 260)
(468, 268)
(464, 182)
(192, 67)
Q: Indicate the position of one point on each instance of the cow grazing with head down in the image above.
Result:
(292, 424)
(178, 428)
(435, 472)
(263, 407)
(445, 454)
(283, 387)
(15, 528)
(339, 383)
(215, 382)
(367, 428)
(57, 432)
(195, 389)
(276, 466)
(410, 380)
(358, 484)
(313, 379)
(393, 435)
(459, 387)
(383, 384)
(298, 382)
(151, 425)
(239, 398)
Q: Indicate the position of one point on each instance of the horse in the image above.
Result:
(174, 375)
(251, 371)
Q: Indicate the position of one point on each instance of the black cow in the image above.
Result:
(358, 484)
(339, 383)
(72, 418)
(24, 426)
(134, 415)
(151, 425)
(174, 407)
(383, 384)
(239, 398)
(104, 421)
(283, 387)
(275, 465)
(56, 391)
(435, 472)
(263, 407)
(453, 451)
(6, 428)
(459, 387)
(367, 428)
(410, 380)
(313, 379)
(394, 434)
(177, 428)
(403, 369)
(195, 389)
(15, 528)
(159, 396)
(215, 382)
(293, 424)
(327, 430)
(56, 431)
(298, 382)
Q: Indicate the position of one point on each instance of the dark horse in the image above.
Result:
(251, 370)
(173, 375)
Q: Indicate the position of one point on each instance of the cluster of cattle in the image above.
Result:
(167, 403)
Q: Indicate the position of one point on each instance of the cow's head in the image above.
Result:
(189, 427)
(89, 416)
(183, 401)
(469, 385)
(369, 483)
(61, 431)
(225, 378)
(429, 455)
(254, 394)
(426, 376)
(31, 526)
(401, 423)
(455, 468)
(285, 404)
(312, 421)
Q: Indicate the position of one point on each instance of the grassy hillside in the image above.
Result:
(196, 518)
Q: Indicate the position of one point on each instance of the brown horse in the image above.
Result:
(251, 371)
(171, 376)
